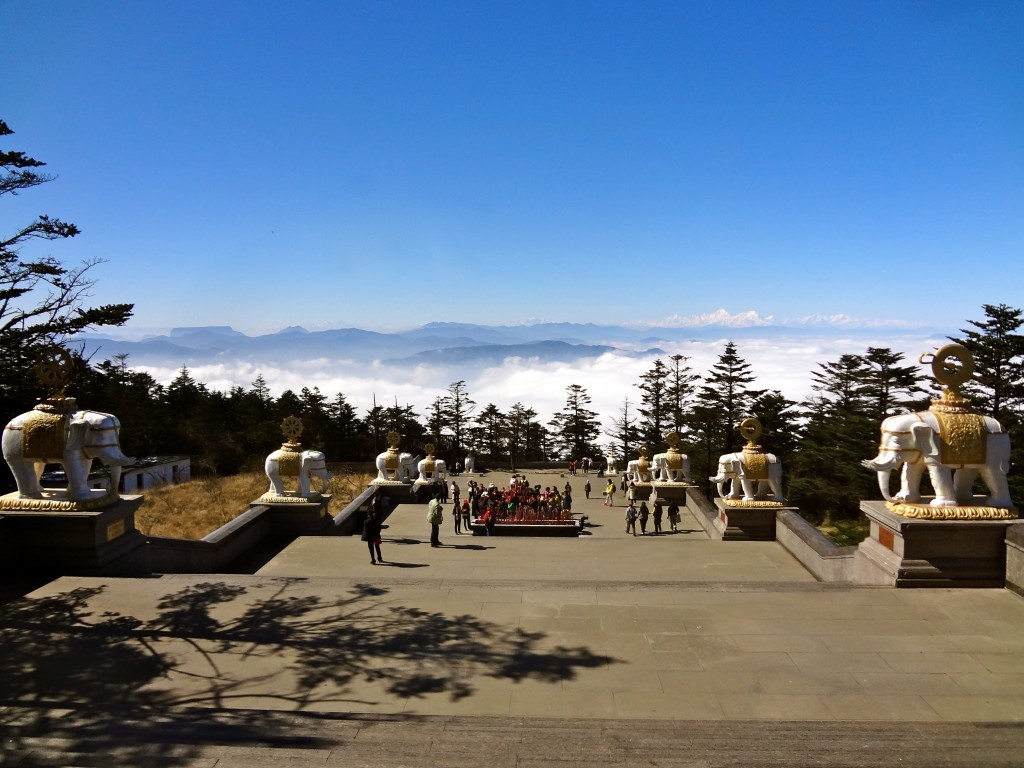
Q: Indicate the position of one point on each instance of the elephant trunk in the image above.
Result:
(883, 484)
(883, 462)
(111, 455)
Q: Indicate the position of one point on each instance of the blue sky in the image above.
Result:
(385, 164)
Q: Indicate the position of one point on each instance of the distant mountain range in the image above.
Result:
(438, 344)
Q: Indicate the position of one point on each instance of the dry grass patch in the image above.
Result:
(196, 509)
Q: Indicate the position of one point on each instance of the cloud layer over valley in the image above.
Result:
(501, 365)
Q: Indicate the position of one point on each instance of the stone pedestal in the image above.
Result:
(643, 492)
(301, 517)
(100, 542)
(668, 493)
(746, 523)
(908, 552)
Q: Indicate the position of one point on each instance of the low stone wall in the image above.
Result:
(704, 511)
(1015, 558)
(813, 549)
(212, 553)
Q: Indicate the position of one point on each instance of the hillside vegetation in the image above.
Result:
(197, 508)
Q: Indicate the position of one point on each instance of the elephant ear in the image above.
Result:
(924, 439)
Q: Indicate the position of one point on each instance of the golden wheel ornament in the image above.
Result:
(291, 428)
(750, 430)
(953, 376)
(53, 368)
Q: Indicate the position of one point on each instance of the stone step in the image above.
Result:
(254, 738)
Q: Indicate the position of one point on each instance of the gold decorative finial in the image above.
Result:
(672, 438)
(750, 430)
(952, 377)
(393, 440)
(53, 369)
(429, 448)
(291, 428)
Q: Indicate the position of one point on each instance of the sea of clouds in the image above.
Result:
(785, 364)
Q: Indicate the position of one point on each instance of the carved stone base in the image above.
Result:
(747, 523)
(57, 501)
(288, 498)
(297, 515)
(83, 542)
(911, 552)
(924, 511)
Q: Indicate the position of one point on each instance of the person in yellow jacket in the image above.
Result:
(609, 494)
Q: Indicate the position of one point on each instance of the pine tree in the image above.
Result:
(826, 479)
(680, 390)
(888, 386)
(575, 428)
(457, 410)
(41, 299)
(624, 432)
(998, 352)
(654, 406)
(518, 422)
(492, 431)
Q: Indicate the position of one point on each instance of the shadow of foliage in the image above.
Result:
(118, 682)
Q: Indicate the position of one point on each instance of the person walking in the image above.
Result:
(609, 494)
(673, 516)
(458, 520)
(658, 512)
(371, 535)
(587, 488)
(631, 519)
(435, 516)
(456, 493)
(644, 514)
(631, 492)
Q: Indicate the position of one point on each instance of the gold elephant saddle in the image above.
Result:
(289, 463)
(756, 463)
(44, 435)
(962, 438)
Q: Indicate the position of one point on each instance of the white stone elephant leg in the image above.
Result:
(26, 475)
(273, 469)
(775, 482)
(77, 470)
(910, 482)
(963, 484)
(749, 489)
(999, 491)
(942, 482)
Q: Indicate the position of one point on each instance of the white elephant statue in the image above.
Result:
(611, 464)
(37, 438)
(392, 466)
(671, 467)
(304, 464)
(744, 483)
(638, 470)
(431, 470)
(914, 442)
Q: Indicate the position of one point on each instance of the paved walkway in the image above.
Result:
(606, 649)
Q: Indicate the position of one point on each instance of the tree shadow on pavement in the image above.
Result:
(129, 685)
